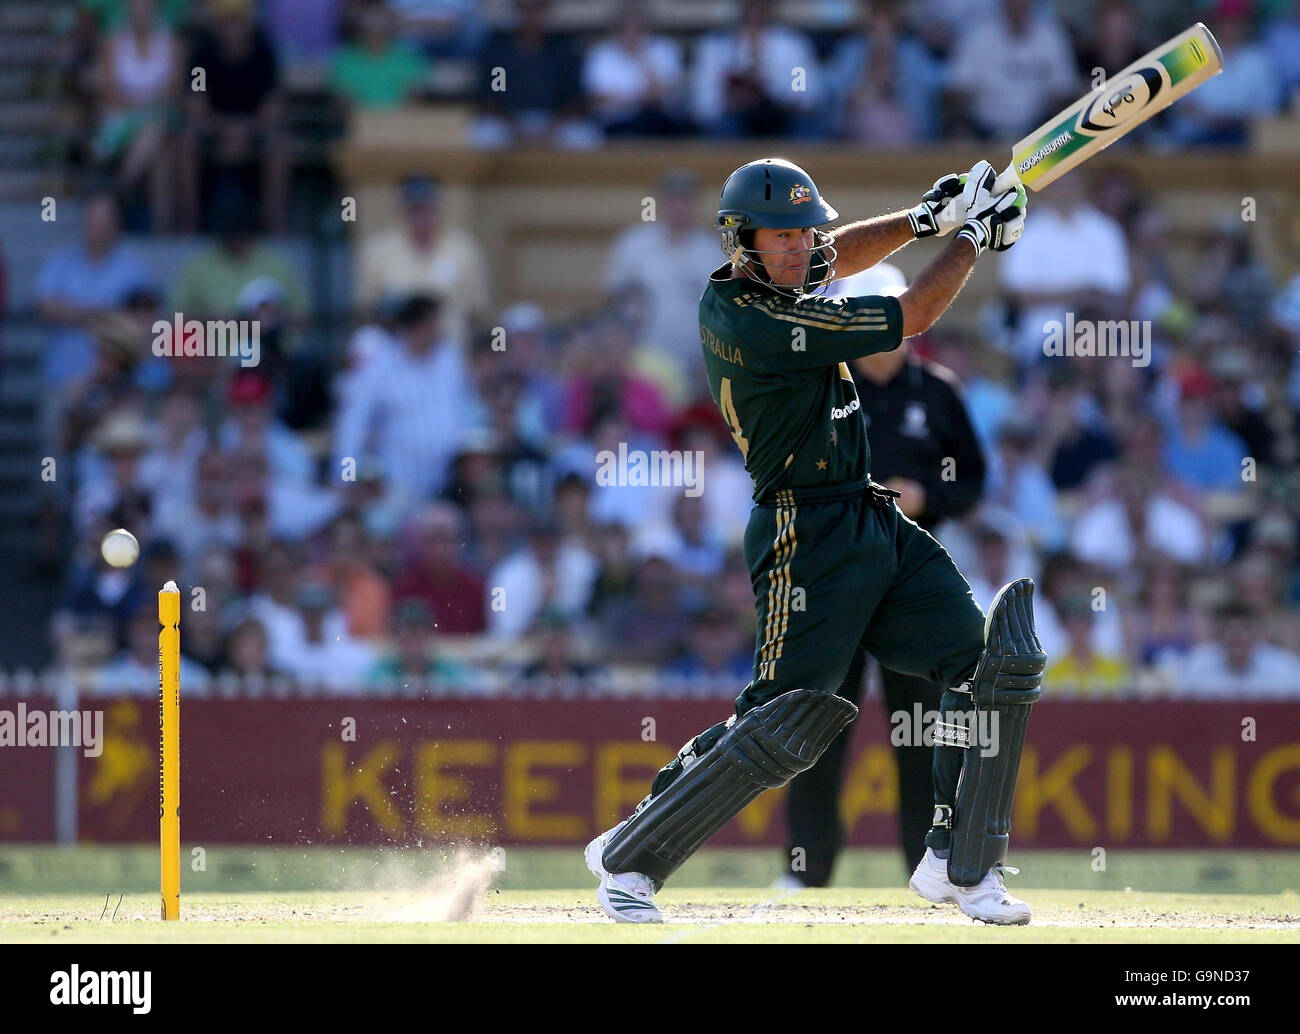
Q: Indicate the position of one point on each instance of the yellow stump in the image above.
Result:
(169, 747)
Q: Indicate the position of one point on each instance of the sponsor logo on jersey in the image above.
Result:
(840, 412)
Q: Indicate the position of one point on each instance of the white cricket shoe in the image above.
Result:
(988, 901)
(626, 897)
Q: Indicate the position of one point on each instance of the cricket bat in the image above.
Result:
(1126, 100)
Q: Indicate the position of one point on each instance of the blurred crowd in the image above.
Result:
(428, 515)
(884, 74)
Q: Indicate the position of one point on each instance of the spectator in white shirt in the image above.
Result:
(993, 60)
(1073, 257)
(1135, 518)
(669, 257)
(760, 79)
(1236, 663)
(325, 654)
(409, 407)
(548, 575)
(634, 80)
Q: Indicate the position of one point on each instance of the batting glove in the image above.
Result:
(930, 218)
(999, 223)
(950, 202)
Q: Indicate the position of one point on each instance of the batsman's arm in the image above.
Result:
(861, 245)
(936, 286)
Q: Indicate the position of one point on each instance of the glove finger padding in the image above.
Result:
(936, 215)
(997, 223)
(1008, 221)
(976, 189)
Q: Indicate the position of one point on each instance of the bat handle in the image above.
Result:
(1007, 180)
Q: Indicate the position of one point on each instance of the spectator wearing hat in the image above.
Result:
(80, 283)
(633, 79)
(113, 488)
(235, 125)
(410, 407)
(668, 257)
(434, 574)
(422, 254)
(113, 382)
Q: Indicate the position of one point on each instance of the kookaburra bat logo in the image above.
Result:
(1121, 101)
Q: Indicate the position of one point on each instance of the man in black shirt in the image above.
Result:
(924, 447)
(234, 115)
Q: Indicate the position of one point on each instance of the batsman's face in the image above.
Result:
(785, 254)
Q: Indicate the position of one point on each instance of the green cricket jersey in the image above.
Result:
(778, 370)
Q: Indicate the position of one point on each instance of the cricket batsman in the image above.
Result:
(834, 563)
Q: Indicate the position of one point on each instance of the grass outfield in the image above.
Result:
(109, 895)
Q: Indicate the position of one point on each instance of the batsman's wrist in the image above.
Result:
(978, 235)
(921, 219)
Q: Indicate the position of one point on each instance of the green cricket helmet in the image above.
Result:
(778, 195)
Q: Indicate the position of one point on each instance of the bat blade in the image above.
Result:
(1122, 103)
